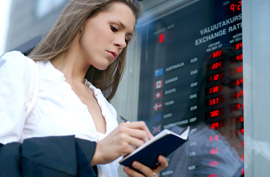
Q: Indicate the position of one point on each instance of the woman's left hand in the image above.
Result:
(146, 171)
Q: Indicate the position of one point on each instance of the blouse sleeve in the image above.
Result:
(14, 84)
(54, 156)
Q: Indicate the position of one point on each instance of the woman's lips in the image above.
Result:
(112, 54)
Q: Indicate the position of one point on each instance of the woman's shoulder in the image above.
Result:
(14, 59)
(16, 68)
(13, 55)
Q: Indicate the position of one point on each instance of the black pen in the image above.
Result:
(123, 119)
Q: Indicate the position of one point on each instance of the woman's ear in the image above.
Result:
(82, 27)
(81, 30)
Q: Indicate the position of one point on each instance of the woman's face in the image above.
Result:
(106, 34)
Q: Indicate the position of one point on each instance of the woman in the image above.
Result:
(85, 50)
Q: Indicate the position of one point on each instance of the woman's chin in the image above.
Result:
(102, 67)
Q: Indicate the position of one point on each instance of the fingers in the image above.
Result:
(124, 139)
(146, 171)
(132, 173)
(163, 163)
(132, 142)
(136, 130)
(137, 133)
(142, 168)
(141, 126)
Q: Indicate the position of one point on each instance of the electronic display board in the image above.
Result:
(192, 75)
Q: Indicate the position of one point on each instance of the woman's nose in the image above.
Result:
(120, 42)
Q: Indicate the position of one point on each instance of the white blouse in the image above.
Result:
(58, 110)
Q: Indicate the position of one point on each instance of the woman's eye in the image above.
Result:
(114, 29)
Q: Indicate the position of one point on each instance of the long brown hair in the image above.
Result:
(66, 28)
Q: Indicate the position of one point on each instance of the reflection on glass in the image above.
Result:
(195, 57)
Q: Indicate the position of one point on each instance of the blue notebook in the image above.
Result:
(163, 143)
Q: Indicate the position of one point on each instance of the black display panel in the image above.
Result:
(192, 75)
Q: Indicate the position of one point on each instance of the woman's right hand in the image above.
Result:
(123, 140)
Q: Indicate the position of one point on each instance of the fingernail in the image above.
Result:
(126, 169)
(161, 158)
(135, 165)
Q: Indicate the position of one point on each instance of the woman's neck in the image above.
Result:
(72, 64)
